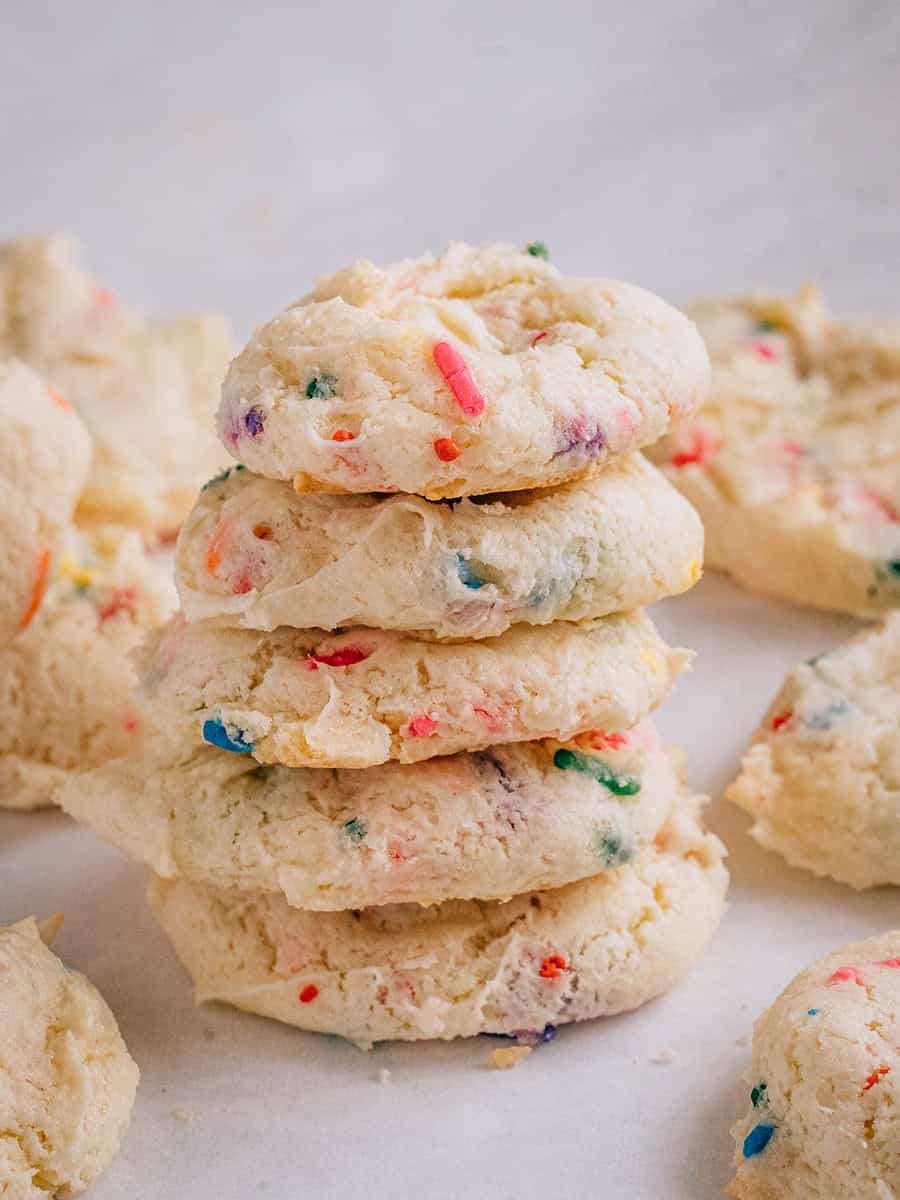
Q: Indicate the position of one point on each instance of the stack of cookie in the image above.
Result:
(404, 784)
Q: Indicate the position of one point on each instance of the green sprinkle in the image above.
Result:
(538, 250)
(321, 387)
(355, 829)
(619, 785)
(767, 326)
(758, 1095)
(612, 850)
(221, 477)
(893, 566)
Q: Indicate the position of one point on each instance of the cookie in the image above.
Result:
(482, 370)
(825, 1082)
(793, 461)
(67, 690)
(600, 946)
(44, 457)
(822, 776)
(255, 554)
(363, 697)
(531, 815)
(67, 1081)
(146, 390)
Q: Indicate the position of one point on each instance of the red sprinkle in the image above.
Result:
(343, 435)
(764, 351)
(607, 741)
(309, 993)
(452, 366)
(845, 975)
(446, 449)
(781, 719)
(538, 337)
(553, 966)
(263, 532)
(703, 449)
(38, 587)
(131, 724)
(123, 600)
(347, 656)
(421, 726)
(888, 962)
(876, 1077)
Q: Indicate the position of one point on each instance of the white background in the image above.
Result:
(219, 155)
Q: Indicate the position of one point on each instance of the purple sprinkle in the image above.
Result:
(535, 1037)
(254, 423)
(581, 435)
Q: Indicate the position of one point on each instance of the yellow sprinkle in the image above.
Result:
(70, 569)
(509, 1056)
(693, 570)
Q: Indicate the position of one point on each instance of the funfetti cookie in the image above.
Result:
(601, 946)
(822, 776)
(482, 370)
(254, 553)
(505, 820)
(146, 390)
(794, 461)
(44, 457)
(67, 1081)
(67, 687)
(825, 1083)
(365, 696)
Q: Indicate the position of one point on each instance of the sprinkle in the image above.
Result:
(421, 726)
(888, 962)
(123, 600)
(535, 1037)
(764, 351)
(537, 250)
(893, 566)
(131, 724)
(876, 1077)
(74, 571)
(343, 435)
(812, 1012)
(254, 422)
(844, 975)
(308, 994)
(452, 366)
(104, 297)
(780, 720)
(794, 449)
(619, 785)
(355, 829)
(757, 1140)
(38, 587)
(538, 337)
(446, 449)
(466, 574)
(693, 570)
(263, 532)
(507, 1056)
(58, 400)
(598, 740)
(216, 733)
(766, 326)
(214, 550)
(553, 966)
(702, 449)
(494, 720)
(612, 850)
(347, 656)
(758, 1095)
(222, 476)
(321, 387)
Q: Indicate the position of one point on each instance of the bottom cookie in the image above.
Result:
(600, 946)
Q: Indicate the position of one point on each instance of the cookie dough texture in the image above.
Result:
(44, 456)
(67, 687)
(792, 462)
(597, 947)
(145, 389)
(826, 1083)
(67, 1081)
(255, 554)
(570, 372)
(532, 815)
(363, 697)
(821, 778)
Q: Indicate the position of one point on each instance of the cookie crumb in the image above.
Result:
(664, 1057)
(384, 1075)
(507, 1056)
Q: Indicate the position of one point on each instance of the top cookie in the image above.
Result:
(793, 461)
(479, 371)
(44, 456)
(145, 389)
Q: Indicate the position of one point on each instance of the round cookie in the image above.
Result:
(67, 1081)
(826, 1083)
(67, 688)
(597, 947)
(482, 370)
(822, 776)
(44, 457)
(531, 815)
(146, 390)
(363, 697)
(792, 462)
(255, 554)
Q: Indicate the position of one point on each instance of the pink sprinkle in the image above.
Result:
(347, 656)
(538, 337)
(608, 741)
(845, 975)
(764, 351)
(702, 449)
(123, 600)
(794, 449)
(889, 962)
(104, 297)
(494, 721)
(452, 366)
(421, 726)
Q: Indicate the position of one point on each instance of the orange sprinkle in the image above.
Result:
(38, 587)
(343, 435)
(876, 1077)
(214, 552)
(553, 966)
(59, 400)
(446, 449)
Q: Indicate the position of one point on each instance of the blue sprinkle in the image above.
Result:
(812, 1012)
(216, 733)
(825, 719)
(254, 422)
(467, 576)
(757, 1140)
